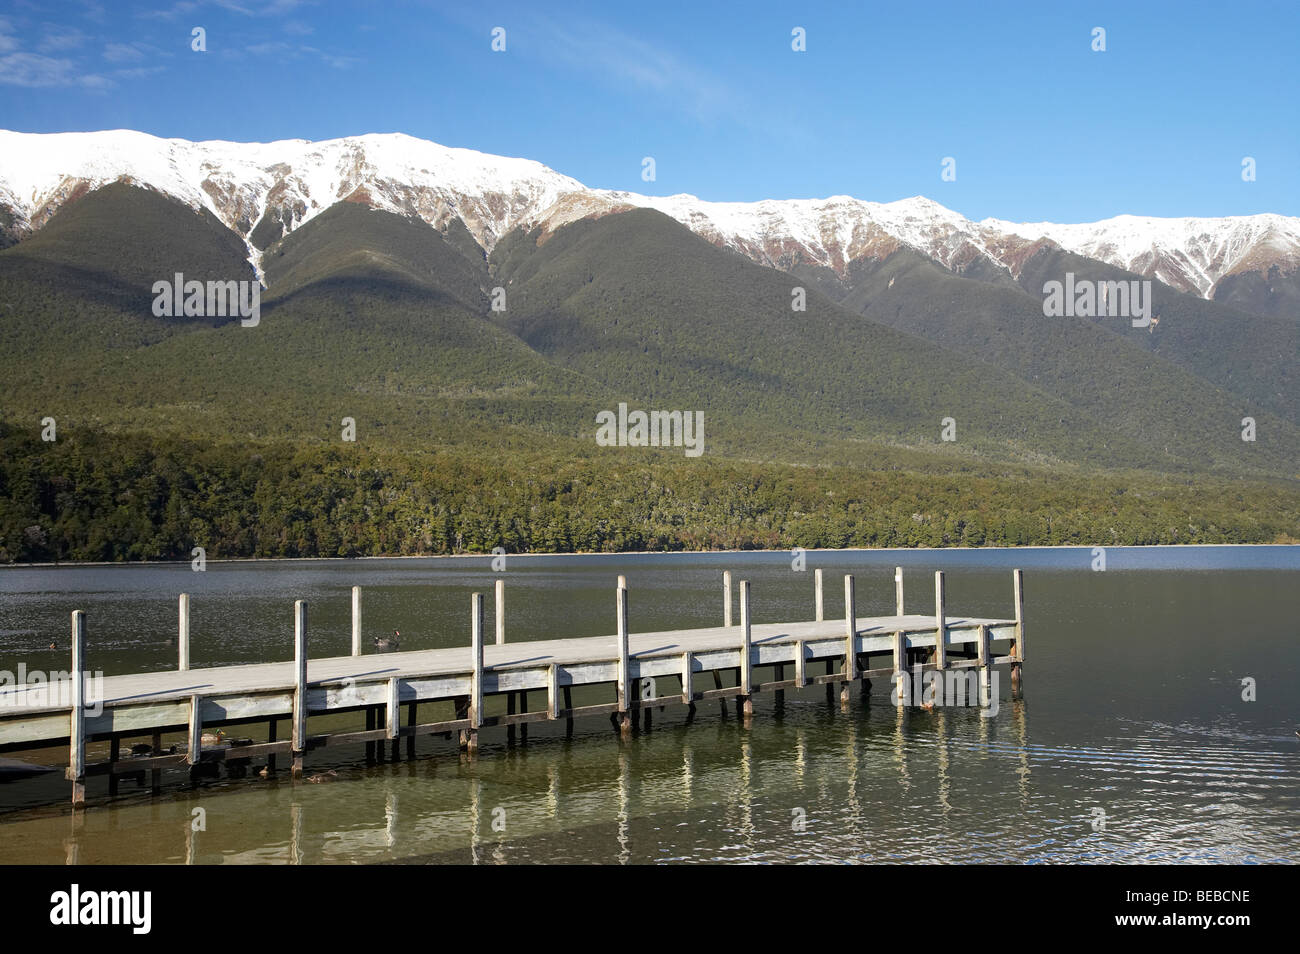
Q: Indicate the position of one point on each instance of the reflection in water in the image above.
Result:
(624, 798)
(390, 820)
(745, 785)
(941, 762)
(295, 839)
(877, 774)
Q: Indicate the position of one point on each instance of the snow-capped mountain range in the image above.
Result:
(263, 190)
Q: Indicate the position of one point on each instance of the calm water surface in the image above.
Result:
(1132, 741)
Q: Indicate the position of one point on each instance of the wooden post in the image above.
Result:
(394, 724)
(370, 725)
(983, 649)
(850, 641)
(77, 729)
(476, 677)
(800, 675)
(746, 668)
(726, 597)
(940, 624)
(624, 718)
(898, 591)
(356, 621)
(299, 739)
(500, 617)
(901, 675)
(850, 629)
(820, 603)
(194, 751)
(568, 708)
(688, 682)
(183, 633)
(552, 692)
(1018, 652)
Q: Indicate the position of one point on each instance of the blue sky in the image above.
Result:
(1041, 126)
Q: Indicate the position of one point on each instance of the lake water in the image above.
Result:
(1131, 743)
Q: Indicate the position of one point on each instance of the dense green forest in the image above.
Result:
(98, 496)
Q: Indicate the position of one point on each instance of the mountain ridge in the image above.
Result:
(263, 191)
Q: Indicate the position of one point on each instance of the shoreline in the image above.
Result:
(587, 554)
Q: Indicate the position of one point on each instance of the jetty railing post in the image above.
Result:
(850, 641)
(982, 663)
(1018, 651)
(77, 728)
(476, 677)
(688, 682)
(819, 602)
(356, 621)
(298, 741)
(500, 617)
(183, 633)
(726, 597)
(898, 591)
(902, 688)
(394, 724)
(940, 624)
(194, 750)
(624, 718)
(746, 668)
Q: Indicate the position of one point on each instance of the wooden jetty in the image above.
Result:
(385, 686)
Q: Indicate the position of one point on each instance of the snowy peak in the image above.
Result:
(1190, 254)
(262, 191)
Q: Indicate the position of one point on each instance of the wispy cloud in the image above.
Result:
(59, 38)
(29, 64)
(609, 54)
(292, 51)
(276, 8)
(34, 71)
(122, 53)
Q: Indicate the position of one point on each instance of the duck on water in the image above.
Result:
(388, 642)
